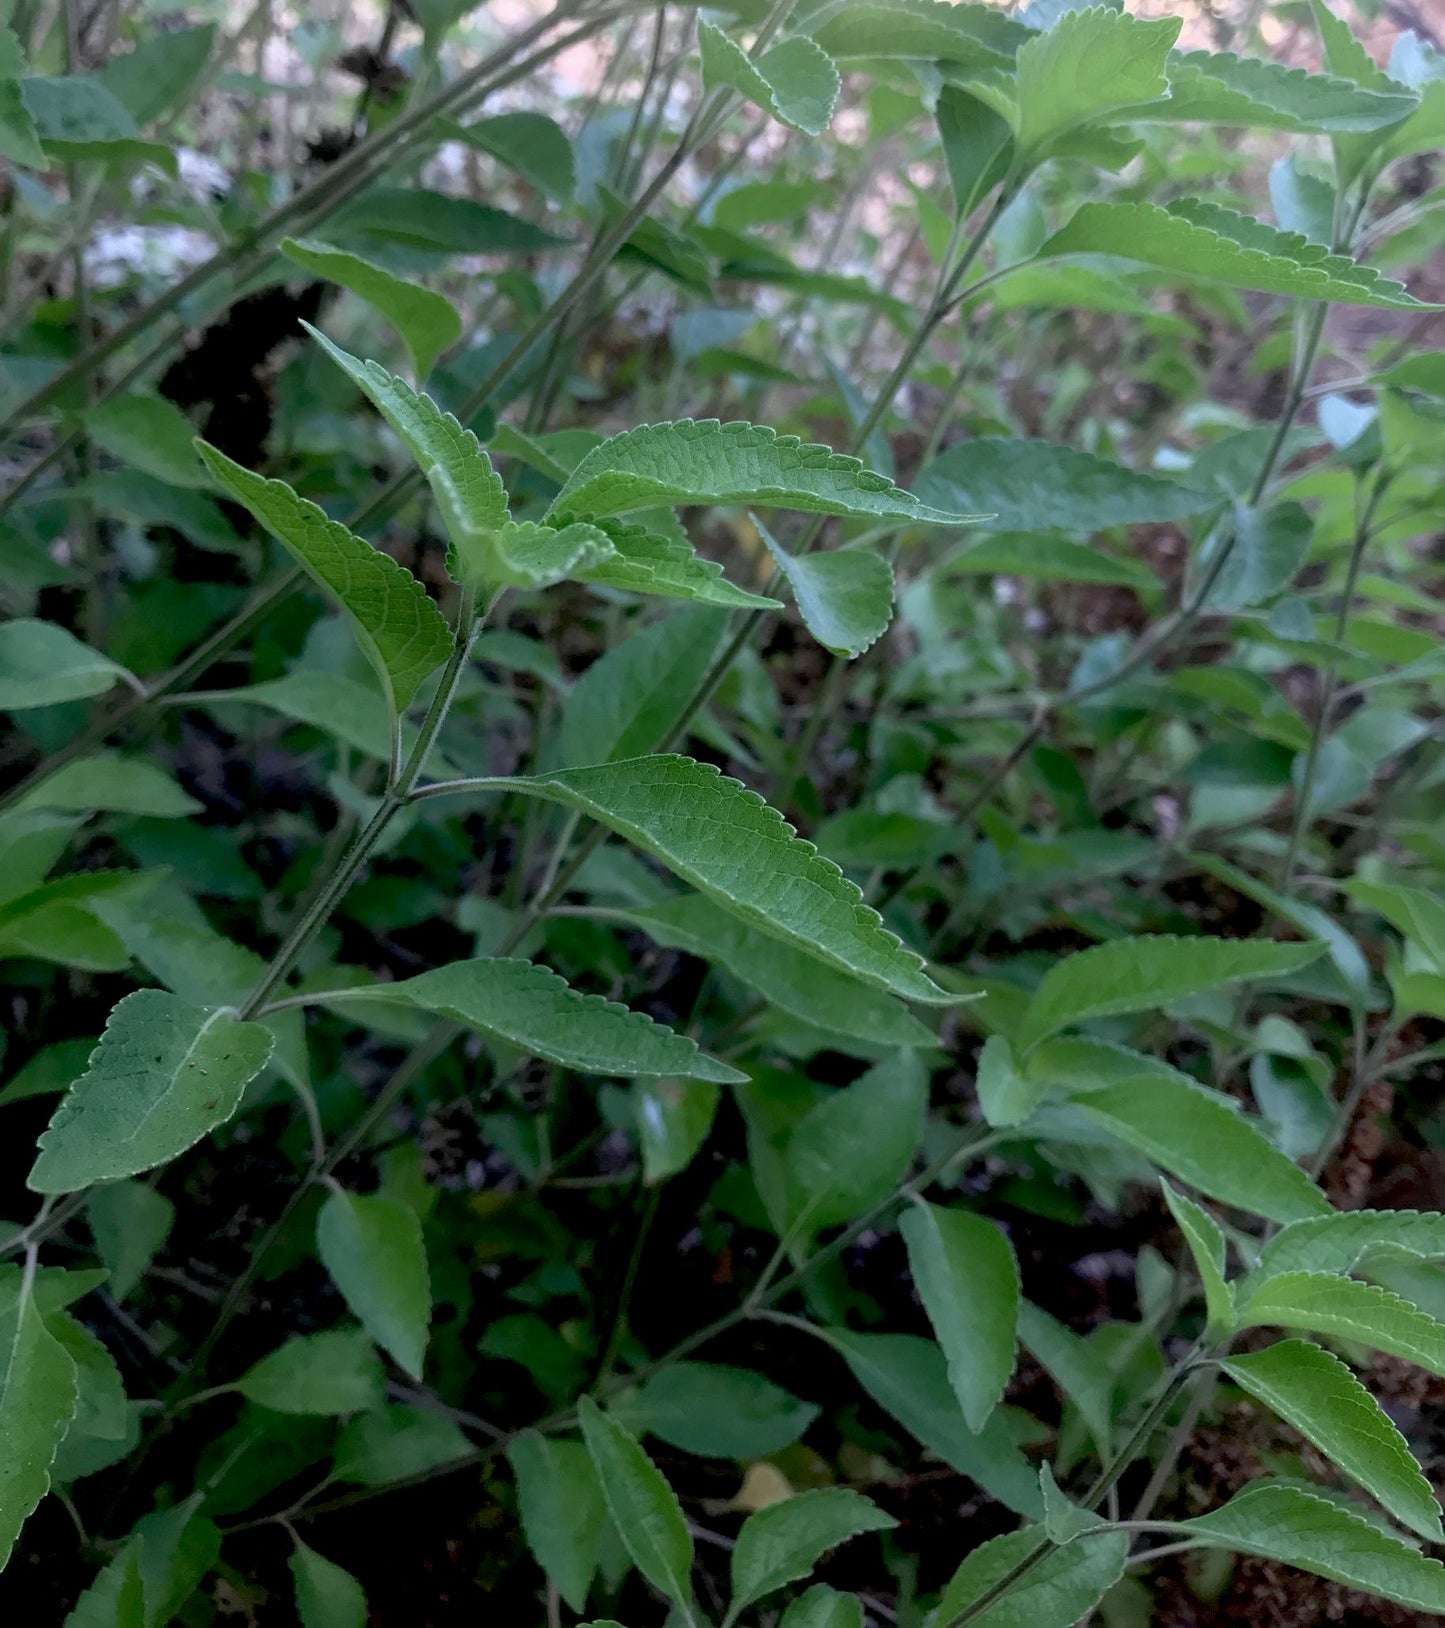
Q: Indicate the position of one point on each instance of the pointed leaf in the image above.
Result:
(642, 562)
(1337, 1243)
(782, 1543)
(110, 784)
(968, 1280)
(1064, 1520)
(673, 1120)
(931, 30)
(1217, 87)
(535, 556)
(1088, 65)
(129, 1222)
(1316, 1393)
(156, 77)
(1143, 974)
(709, 462)
(41, 664)
(1194, 1134)
(823, 1607)
(850, 1152)
(1197, 239)
(426, 322)
(1006, 1097)
(530, 1007)
(327, 1596)
(402, 632)
(795, 983)
(19, 140)
(796, 81)
(150, 434)
(1317, 1535)
(1040, 485)
(560, 1502)
(163, 1074)
(908, 1378)
(468, 491)
(392, 1443)
(336, 1371)
(372, 1247)
(1319, 1303)
(719, 1411)
(530, 143)
(844, 596)
(37, 1401)
(728, 843)
(643, 1507)
(1207, 1245)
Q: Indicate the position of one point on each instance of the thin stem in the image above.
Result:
(1324, 714)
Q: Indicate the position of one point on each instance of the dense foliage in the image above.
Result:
(721, 869)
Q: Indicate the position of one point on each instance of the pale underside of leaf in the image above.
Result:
(1196, 239)
(530, 1007)
(795, 81)
(705, 461)
(644, 562)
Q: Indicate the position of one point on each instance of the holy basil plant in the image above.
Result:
(617, 1016)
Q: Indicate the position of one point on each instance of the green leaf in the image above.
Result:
(728, 843)
(1195, 1134)
(978, 145)
(326, 1595)
(643, 1507)
(163, 1074)
(77, 117)
(791, 981)
(930, 30)
(1317, 1394)
(1063, 1588)
(1143, 974)
(1197, 239)
(38, 1394)
(1006, 1097)
(336, 1371)
(156, 77)
(1088, 65)
(908, 1378)
(1042, 486)
(1075, 1366)
(530, 143)
(530, 555)
(1337, 1243)
(642, 562)
(630, 699)
(42, 664)
(845, 596)
(19, 140)
(1042, 557)
(968, 1280)
(782, 1543)
(823, 1607)
(1207, 1245)
(392, 1443)
(530, 1007)
(1317, 1535)
(1419, 915)
(673, 1120)
(1269, 548)
(795, 81)
(116, 1599)
(468, 491)
(49, 1071)
(718, 1411)
(407, 224)
(110, 784)
(1320, 1303)
(402, 632)
(850, 1152)
(560, 1502)
(709, 462)
(355, 713)
(426, 322)
(372, 1247)
(129, 1222)
(1217, 87)
(150, 434)
(1064, 1520)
